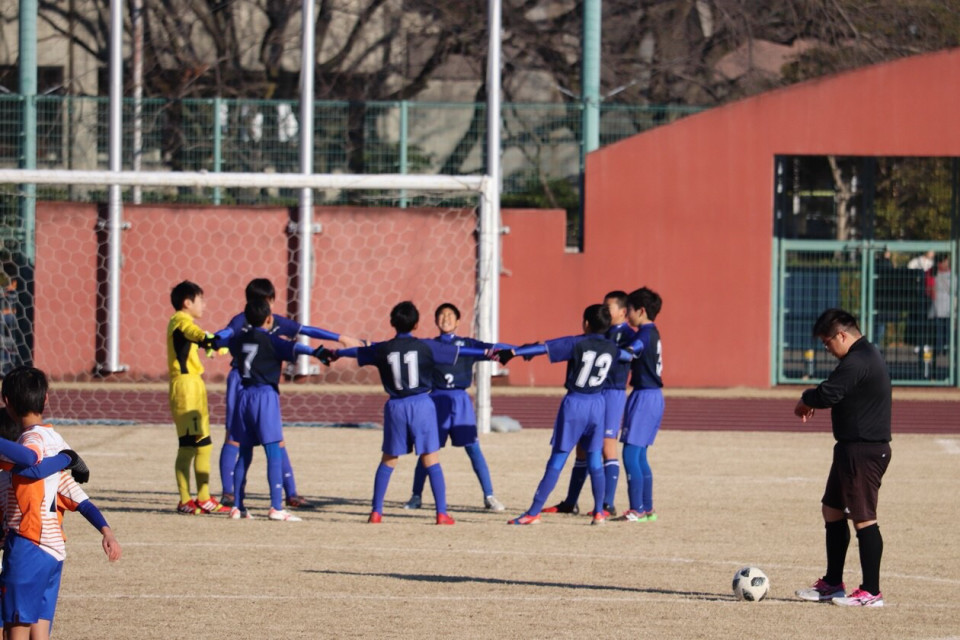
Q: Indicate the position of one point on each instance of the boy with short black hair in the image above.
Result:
(456, 418)
(644, 411)
(260, 354)
(406, 365)
(188, 399)
(35, 548)
(263, 289)
(589, 357)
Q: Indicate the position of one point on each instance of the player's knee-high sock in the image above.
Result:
(274, 454)
(439, 487)
(647, 474)
(611, 475)
(838, 539)
(597, 481)
(244, 459)
(480, 467)
(182, 466)
(229, 454)
(548, 482)
(201, 468)
(577, 478)
(871, 550)
(286, 470)
(380, 482)
(631, 462)
(419, 478)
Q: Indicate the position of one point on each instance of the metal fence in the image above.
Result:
(541, 142)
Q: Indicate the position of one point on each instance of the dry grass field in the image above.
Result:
(725, 500)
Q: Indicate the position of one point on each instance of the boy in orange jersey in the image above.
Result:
(34, 549)
(188, 399)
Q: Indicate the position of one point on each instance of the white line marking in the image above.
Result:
(949, 446)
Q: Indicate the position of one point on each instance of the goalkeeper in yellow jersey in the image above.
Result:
(188, 399)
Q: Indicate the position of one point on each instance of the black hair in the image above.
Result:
(404, 317)
(597, 317)
(9, 430)
(25, 390)
(833, 320)
(647, 299)
(619, 296)
(260, 288)
(446, 305)
(256, 312)
(184, 291)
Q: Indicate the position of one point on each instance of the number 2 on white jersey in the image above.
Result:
(412, 361)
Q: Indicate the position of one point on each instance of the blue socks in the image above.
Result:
(597, 483)
(611, 474)
(478, 462)
(229, 455)
(639, 478)
(577, 479)
(289, 482)
(380, 482)
(548, 482)
(275, 473)
(480, 467)
(438, 485)
(245, 457)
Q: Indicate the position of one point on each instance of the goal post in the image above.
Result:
(487, 248)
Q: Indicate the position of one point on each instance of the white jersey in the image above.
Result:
(34, 508)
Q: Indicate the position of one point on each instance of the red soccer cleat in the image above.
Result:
(525, 519)
(443, 518)
(374, 518)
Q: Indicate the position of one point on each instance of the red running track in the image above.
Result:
(106, 404)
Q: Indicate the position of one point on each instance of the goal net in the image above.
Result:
(87, 278)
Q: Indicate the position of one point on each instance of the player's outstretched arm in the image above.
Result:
(18, 454)
(110, 545)
(350, 352)
(47, 466)
(318, 333)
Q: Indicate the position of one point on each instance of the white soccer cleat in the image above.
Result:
(822, 592)
(860, 598)
(415, 502)
(282, 515)
(491, 503)
(238, 514)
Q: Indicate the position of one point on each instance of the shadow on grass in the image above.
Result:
(443, 579)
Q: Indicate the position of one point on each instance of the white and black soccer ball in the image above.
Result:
(750, 584)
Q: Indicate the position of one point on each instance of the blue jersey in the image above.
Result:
(622, 336)
(260, 356)
(406, 364)
(282, 326)
(460, 374)
(647, 364)
(589, 359)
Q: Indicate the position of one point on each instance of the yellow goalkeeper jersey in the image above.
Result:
(183, 334)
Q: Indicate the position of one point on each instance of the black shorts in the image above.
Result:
(854, 480)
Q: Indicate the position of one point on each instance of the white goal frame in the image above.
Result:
(488, 254)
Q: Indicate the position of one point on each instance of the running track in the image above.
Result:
(105, 404)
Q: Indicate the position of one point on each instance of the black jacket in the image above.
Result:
(859, 395)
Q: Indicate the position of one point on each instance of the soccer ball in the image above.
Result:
(750, 584)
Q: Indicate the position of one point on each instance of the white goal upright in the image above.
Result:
(487, 255)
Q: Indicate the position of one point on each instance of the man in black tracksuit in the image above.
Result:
(859, 395)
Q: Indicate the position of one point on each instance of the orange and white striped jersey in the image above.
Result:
(34, 508)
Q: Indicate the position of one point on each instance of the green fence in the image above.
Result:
(541, 142)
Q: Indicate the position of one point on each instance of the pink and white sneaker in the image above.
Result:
(860, 598)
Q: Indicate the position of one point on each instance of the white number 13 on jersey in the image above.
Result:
(589, 360)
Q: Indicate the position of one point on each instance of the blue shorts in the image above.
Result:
(410, 424)
(258, 419)
(579, 421)
(456, 418)
(30, 582)
(233, 389)
(614, 402)
(642, 421)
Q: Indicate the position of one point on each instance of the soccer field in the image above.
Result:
(725, 500)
